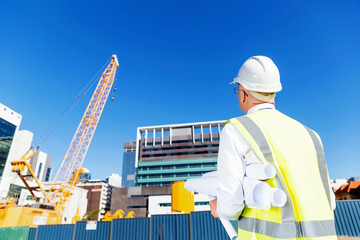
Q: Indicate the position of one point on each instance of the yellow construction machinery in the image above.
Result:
(69, 172)
(182, 201)
(118, 214)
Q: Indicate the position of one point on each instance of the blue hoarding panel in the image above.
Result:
(101, 231)
(347, 218)
(32, 232)
(205, 226)
(134, 229)
(174, 227)
(55, 232)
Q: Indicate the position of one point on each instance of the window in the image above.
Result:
(48, 172)
(39, 171)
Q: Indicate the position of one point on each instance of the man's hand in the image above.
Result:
(213, 208)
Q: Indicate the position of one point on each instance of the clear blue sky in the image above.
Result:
(176, 60)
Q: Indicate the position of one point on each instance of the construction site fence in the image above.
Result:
(194, 226)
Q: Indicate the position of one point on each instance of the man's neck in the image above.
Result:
(259, 106)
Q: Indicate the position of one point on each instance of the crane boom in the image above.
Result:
(67, 175)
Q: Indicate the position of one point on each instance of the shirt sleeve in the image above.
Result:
(230, 172)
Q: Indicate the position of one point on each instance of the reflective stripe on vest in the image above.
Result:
(321, 162)
(289, 228)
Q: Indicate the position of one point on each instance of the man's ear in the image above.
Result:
(243, 99)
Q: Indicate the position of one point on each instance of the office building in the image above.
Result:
(41, 163)
(13, 144)
(176, 152)
(164, 154)
(128, 170)
(9, 123)
(98, 196)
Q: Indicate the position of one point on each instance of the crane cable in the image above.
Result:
(70, 107)
(114, 89)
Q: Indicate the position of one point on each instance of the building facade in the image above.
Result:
(41, 163)
(98, 196)
(161, 155)
(128, 169)
(13, 145)
(176, 152)
(9, 123)
(114, 180)
(135, 199)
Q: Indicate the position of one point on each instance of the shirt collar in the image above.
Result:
(261, 106)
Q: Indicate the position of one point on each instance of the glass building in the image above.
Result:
(7, 131)
(128, 168)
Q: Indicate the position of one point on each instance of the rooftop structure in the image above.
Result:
(348, 191)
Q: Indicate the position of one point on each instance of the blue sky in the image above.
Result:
(176, 60)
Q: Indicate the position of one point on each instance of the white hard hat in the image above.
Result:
(259, 74)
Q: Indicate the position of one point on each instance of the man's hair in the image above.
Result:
(262, 96)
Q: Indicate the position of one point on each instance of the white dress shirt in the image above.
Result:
(234, 155)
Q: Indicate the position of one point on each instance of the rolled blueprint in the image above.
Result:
(206, 185)
(229, 229)
(210, 174)
(260, 171)
(260, 195)
(278, 197)
(257, 194)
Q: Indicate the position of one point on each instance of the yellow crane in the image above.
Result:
(70, 169)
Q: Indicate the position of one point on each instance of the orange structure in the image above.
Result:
(67, 175)
(69, 172)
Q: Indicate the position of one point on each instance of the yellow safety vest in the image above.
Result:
(297, 154)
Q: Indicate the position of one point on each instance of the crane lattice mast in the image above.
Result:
(68, 173)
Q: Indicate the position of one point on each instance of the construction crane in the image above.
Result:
(70, 169)
(80, 143)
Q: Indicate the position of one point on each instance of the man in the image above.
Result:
(266, 136)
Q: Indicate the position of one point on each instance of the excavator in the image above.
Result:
(56, 197)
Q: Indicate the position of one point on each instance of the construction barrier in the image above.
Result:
(131, 228)
(204, 226)
(194, 226)
(92, 230)
(55, 232)
(347, 218)
(32, 232)
(11, 233)
(176, 227)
